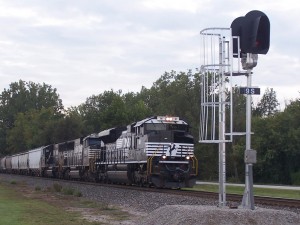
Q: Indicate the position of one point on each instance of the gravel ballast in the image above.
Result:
(158, 208)
(190, 215)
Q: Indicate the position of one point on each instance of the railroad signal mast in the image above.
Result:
(247, 37)
(253, 38)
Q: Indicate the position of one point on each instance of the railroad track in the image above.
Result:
(236, 198)
(263, 200)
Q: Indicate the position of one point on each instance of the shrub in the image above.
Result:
(13, 182)
(68, 191)
(77, 194)
(37, 188)
(295, 178)
(57, 187)
(106, 206)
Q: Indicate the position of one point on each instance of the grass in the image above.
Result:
(37, 188)
(68, 191)
(13, 182)
(16, 209)
(294, 194)
(54, 205)
(57, 187)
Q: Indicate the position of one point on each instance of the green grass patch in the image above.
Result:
(17, 209)
(279, 193)
(77, 193)
(37, 188)
(68, 191)
(22, 204)
(57, 187)
(13, 182)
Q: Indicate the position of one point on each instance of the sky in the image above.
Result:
(84, 47)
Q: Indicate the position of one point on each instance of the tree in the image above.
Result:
(175, 94)
(277, 140)
(22, 97)
(136, 108)
(268, 104)
(235, 150)
(104, 111)
(29, 129)
(69, 127)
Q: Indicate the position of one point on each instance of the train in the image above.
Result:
(156, 151)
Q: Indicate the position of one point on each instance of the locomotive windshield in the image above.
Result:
(149, 127)
(93, 142)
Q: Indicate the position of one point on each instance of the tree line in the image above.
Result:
(32, 115)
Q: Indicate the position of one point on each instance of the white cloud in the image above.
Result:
(191, 6)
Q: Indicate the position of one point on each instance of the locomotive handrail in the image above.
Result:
(195, 163)
(149, 162)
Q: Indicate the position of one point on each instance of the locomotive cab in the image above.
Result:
(166, 148)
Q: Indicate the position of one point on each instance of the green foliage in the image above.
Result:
(207, 155)
(37, 188)
(23, 96)
(111, 109)
(295, 178)
(77, 193)
(68, 191)
(175, 94)
(20, 102)
(30, 129)
(277, 139)
(57, 187)
(268, 104)
(69, 127)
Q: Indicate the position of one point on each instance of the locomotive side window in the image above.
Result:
(96, 142)
(139, 130)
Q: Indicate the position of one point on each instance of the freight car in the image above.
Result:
(155, 151)
(3, 165)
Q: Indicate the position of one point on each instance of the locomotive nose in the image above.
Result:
(176, 176)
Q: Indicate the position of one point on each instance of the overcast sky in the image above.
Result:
(84, 47)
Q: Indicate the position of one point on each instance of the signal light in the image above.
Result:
(254, 33)
(236, 30)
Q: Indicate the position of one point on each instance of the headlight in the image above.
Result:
(188, 157)
(164, 156)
